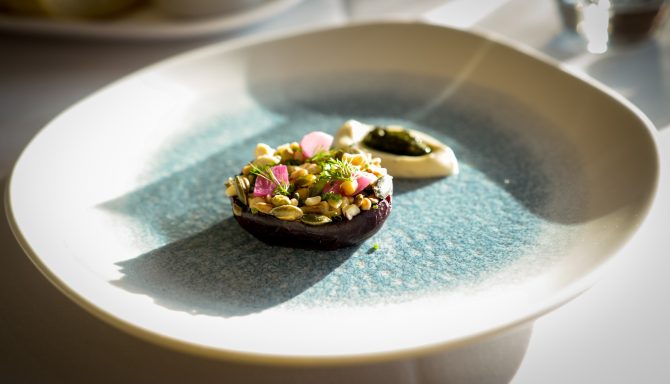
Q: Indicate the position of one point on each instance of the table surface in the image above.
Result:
(615, 332)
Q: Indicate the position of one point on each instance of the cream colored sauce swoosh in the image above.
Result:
(440, 162)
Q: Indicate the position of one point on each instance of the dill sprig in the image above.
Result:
(336, 169)
(266, 173)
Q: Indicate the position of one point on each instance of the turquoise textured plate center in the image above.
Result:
(444, 233)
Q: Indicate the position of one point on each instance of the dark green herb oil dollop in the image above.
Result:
(396, 140)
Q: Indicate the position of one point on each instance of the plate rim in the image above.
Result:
(531, 313)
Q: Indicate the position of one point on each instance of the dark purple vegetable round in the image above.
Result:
(296, 234)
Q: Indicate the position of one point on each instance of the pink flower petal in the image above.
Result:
(315, 142)
(364, 179)
(264, 187)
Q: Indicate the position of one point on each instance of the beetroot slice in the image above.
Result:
(329, 236)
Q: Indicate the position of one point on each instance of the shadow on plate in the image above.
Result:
(207, 265)
(210, 266)
(224, 271)
(203, 263)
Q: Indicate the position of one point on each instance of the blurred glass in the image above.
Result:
(600, 21)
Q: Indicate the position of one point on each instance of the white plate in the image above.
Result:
(147, 23)
(119, 201)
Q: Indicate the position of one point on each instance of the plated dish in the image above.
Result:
(146, 22)
(309, 195)
(555, 174)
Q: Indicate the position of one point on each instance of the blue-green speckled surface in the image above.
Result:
(442, 233)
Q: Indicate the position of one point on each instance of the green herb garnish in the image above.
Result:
(332, 196)
(320, 157)
(335, 169)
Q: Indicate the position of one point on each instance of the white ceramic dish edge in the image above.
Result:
(502, 325)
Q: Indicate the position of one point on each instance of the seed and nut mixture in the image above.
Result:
(309, 182)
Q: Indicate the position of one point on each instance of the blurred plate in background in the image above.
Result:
(146, 23)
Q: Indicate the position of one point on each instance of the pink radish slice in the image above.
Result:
(315, 142)
(281, 173)
(264, 187)
(364, 179)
